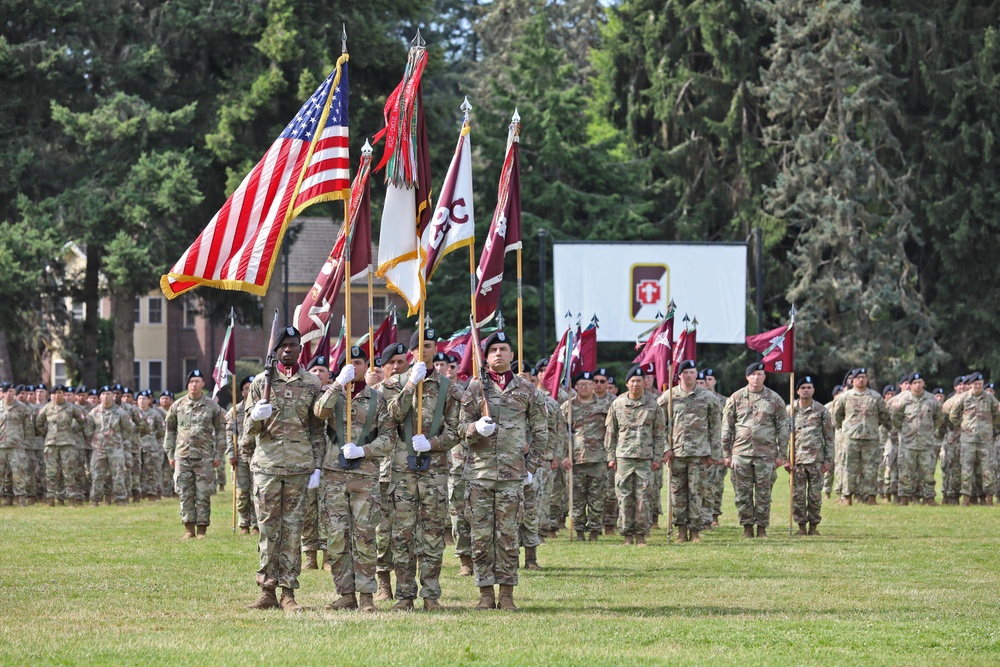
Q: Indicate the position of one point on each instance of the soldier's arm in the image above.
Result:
(42, 421)
(827, 437)
(398, 400)
(995, 406)
(449, 436)
(170, 437)
(659, 435)
(325, 402)
(883, 413)
(839, 412)
(728, 428)
(781, 429)
(955, 413)
(231, 433)
(251, 427)
(715, 429)
(219, 424)
(538, 429)
(471, 412)
(89, 427)
(611, 434)
(317, 434)
(383, 443)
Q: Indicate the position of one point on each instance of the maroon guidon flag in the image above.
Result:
(778, 348)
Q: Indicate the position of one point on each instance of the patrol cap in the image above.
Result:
(938, 390)
(499, 338)
(973, 377)
(586, 375)
(684, 365)
(194, 374)
(429, 334)
(889, 387)
(754, 367)
(805, 379)
(59, 387)
(440, 356)
(390, 351)
(916, 376)
(635, 372)
(287, 332)
(247, 380)
(318, 360)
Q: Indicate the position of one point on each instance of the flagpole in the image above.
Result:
(791, 437)
(670, 444)
(232, 373)
(418, 355)
(366, 152)
(515, 128)
(472, 296)
(349, 433)
(568, 370)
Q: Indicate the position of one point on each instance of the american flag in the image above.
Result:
(303, 166)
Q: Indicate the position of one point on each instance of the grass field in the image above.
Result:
(883, 585)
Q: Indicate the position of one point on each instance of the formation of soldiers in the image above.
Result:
(375, 469)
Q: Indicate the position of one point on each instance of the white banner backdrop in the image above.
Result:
(625, 284)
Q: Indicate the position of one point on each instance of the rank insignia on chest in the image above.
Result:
(288, 393)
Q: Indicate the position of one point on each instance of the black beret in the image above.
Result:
(959, 380)
(497, 338)
(859, 371)
(166, 392)
(535, 371)
(21, 388)
(193, 374)
(30, 387)
(146, 393)
(59, 387)
(989, 385)
(118, 387)
(70, 389)
(889, 387)
(684, 365)
(542, 363)
(440, 356)
(92, 392)
(82, 389)
(938, 390)
(247, 380)
(106, 388)
(4, 386)
(837, 388)
(709, 372)
(41, 385)
(973, 377)
(701, 375)
(126, 390)
(611, 379)
(390, 351)
(319, 360)
(905, 377)
(805, 379)
(429, 335)
(524, 368)
(358, 352)
(601, 371)
(586, 375)
(453, 359)
(635, 372)
(754, 367)
(287, 332)
(915, 376)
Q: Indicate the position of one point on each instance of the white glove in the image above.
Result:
(421, 444)
(345, 375)
(485, 426)
(261, 410)
(528, 479)
(313, 480)
(352, 451)
(418, 372)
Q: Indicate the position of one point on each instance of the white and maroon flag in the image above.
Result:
(308, 163)
(453, 225)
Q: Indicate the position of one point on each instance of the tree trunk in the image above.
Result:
(123, 355)
(91, 321)
(6, 372)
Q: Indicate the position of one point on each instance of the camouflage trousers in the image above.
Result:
(951, 468)
(916, 472)
(711, 502)
(528, 530)
(656, 495)
(839, 466)
(151, 474)
(36, 471)
(751, 476)
(807, 493)
(687, 485)
(107, 473)
(220, 477)
(167, 475)
(558, 499)
(312, 529)
(420, 516)
(244, 495)
(62, 473)
(135, 471)
(544, 476)
(861, 460)
(14, 467)
(588, 496)
(383, 531)
(495, 513)
(461, 532)
(280, 503)
(889, 469)
(352, 509)
(633, 481)
(977, 466)
(610, 500)
(195, 480)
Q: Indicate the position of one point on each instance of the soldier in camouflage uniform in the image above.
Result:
(586, 415)
(634, 440)
(244, 478)
(754, 438)
(554, 479)
(194, 443)
(419, 465)
(284, 442)
(694, 445)
(461, 531)
(813, 429)
(151, 454)
(549, 472)
(390, 361)
(828, 478)
(919, 422)
(976, 415)
(313, 532)
(715, 474)
(16, 426)
(504, 451)
(951, 460)
(887, 477)
(61, 423)
(350, 481)
(81, 396)
(164, 402)
(858, 413)
(656, 488)
(109, 430)
(32, 445)
(603, 394)
(38, 398)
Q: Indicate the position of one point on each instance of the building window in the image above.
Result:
(154, 312)
(137, 311)
(136, 374)
(190, 315)
(190, 363)
(380, 308)
(79, 311)
(58, 372)
(155, 376)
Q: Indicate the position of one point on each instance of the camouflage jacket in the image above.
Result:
(520, 441)
(36, 441)
(976, 417)
(109, 429)
(401, 402)
(755, 425)
(635, 429)
(557, 445)
(919, 422)
(858, 414)
(588, 429)
(61, 425)
(156, 423)
(697, 424)
(195, 429)
(234, 430)
(16, 425)
(813, 434)
(291, 441)
(381, 432)
(139, 425)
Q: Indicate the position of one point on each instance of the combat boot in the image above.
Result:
(933, 503)
(52, 502)
(365, 603)
(121, 503)
(384, 586)
(77, 503)
(965, 501)
(609, 530)
(8, 501)
(802, 530)
(904, 500)
(989, 501)
(694, 536)
(136, 497)
(310, 561)
(23, 502)
(486, 599)
(531, 559)
(640, 539)
(761, 533)
(287, 602)
(849, 498)
(94, 503)
(108, 498)
(266, 600)
(715, 519)
(466, 569)
(62, 502)
(655, 525)
(594, 534)
(748, 531)
(682, 533)
(345, 601)
(406, 604)
(827, 495)
(628, 540)
(201, 532)
(255, 531)
(581, 536)
(812, 529)
(327, 561)
(151, 498)
(189, 534)
(244, 530)
(430, 604)
(870, 500)
(506, 601)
